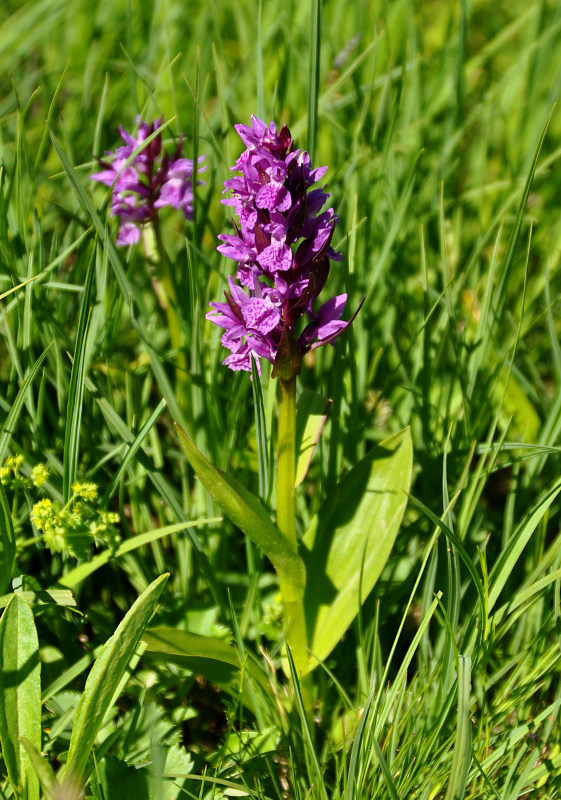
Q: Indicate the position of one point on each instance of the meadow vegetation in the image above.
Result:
(439, 126)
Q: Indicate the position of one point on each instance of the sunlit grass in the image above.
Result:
(436, 121)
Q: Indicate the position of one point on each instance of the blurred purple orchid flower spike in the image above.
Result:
(283, 248)
(148, 181)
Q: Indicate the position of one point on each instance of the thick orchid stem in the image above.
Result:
(292, 590)
(286, 464)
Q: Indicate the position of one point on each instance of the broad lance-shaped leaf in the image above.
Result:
(7, 542)
(348, 542)
(311, 414)
(20, 695)
(215, 660)
(246, 512)
(104, 680)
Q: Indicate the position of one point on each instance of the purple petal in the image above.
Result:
(129, 233)
(240, 361)
(278, 256)
(274, 196)
(261, 315)
(333, 308)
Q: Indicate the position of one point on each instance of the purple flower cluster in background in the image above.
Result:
(283, 248)
(151, 180)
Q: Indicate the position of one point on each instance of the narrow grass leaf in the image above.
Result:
(500, 294)
(390, 785)
(553, 336)
(42, 767)
(7, 542)
(352, 776)
(75, 576)
(396, 227)
(460, 547)
(313, 76)
(259, 64)
(76, 390)
(70, 675)
(129, 290)
(401, 675)
(461, 760)
(516, 544)
(316, 777)
(161, 485)
(11, 419)
(131, 452)
(260, 432)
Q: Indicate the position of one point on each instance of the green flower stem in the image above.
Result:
(286, 464)
(291, 587)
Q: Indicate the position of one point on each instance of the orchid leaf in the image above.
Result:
(214, 659)
(104, 679)
(311, 414)
(20, 695)
(247, 513)
(348, 542)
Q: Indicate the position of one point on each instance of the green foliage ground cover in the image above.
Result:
(436, 122)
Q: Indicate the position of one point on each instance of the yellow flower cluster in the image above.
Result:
(86, 490)
(39, 474)
(41, 513)
(73, 528)
(9, 471)
(11, 476)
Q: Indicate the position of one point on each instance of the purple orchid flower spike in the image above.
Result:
(145, 182)
(282, 245)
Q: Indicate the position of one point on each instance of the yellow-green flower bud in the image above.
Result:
(86, 490)
(39, 474)
(43, 514)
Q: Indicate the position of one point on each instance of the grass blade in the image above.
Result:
(11, 419)
(462, 746)
(131, 452)
(76, 391)
(313, 86)
(260, 432)
(82, 571)
(516, 544)
(7, 542)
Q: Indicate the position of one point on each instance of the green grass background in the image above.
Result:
(438, 123)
